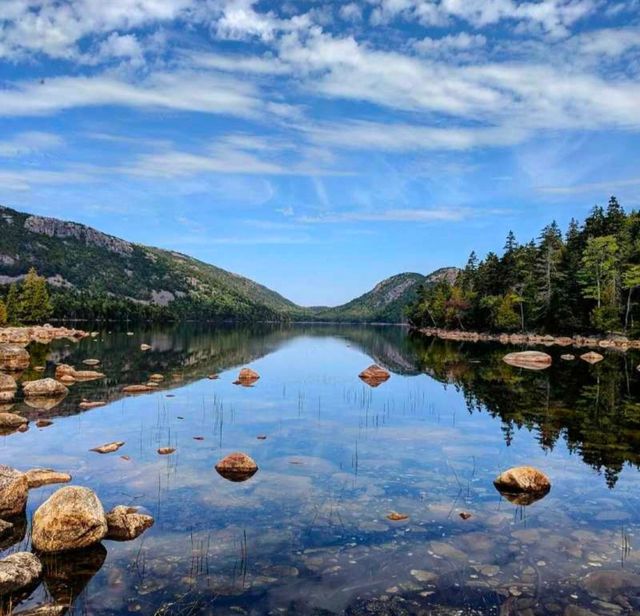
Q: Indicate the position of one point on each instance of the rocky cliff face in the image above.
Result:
(90, 237)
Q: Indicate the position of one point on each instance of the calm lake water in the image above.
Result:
(309, 534)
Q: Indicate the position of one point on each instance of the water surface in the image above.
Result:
(309, 534)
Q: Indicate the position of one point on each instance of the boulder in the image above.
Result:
(605, 585)
(8, 387)
(237, 466)
(248, 375)
(592, 357)
(522, 480)
(13, 357)
(70, 519)
(532, 360)
(13, 491)
(374, 375)
(37, 477)
(11, 421)
(44, 388)
(126, 523)
(19, 572)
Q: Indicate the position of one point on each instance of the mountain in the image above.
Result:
(93, 274)
(387, 301)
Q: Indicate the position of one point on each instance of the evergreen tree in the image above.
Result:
(3, 314)
(12, 304)
(34, 305)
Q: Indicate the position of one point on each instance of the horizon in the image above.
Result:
(355, 141)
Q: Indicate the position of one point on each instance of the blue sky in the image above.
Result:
(319, 147)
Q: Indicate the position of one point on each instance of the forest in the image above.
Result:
(583, 280)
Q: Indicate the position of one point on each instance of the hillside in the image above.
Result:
(95, 275)
(92, 274)
(387, 301)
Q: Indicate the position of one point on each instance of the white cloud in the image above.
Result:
(183, 91)
(351, 12)
(28, 143)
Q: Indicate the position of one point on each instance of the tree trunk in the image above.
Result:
(626, 316)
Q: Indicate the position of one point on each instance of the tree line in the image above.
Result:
(585, 280)
(27, 302)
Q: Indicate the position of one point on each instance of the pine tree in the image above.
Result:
(12, 305)
(34, 303)
(3, 314)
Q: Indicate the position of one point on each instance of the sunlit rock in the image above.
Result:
(19, 572)
(71, 519)
(87, 404)
(37, 477)
(127, 523)
(592, 357)
(136, 389)
(237, 466)
(145, 347)
(14, 490)
(44, 388)
(108, 447)
(532, 360)
(522, 480)
(374, 375)
(13, 357)
(11, 421)
(8, 387)
(247, 377)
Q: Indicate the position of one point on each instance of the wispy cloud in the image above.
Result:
(444, 214)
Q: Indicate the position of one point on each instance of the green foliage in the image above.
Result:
(3, 314)
(583, 281)
(34, 304)
(12, 304)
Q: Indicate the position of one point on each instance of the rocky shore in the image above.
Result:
(617, 342)
(39, 333)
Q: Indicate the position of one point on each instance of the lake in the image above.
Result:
(309, 533)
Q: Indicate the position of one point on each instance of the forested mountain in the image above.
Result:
(387, 302)
(92, 275)
(585, 279)
(95, 275)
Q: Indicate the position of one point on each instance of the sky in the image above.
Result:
(319, 147)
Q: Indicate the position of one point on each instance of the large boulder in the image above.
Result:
(532, 360)
(127, 523)
(522, 480)
(8, 387)
(44, 388)
(237, 466)
(13, 357)
(70, 519)
(18, 572)
(14, 490)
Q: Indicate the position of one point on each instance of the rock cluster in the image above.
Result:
(621, 343)
(39, 333)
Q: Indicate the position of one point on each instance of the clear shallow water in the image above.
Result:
(308, 534)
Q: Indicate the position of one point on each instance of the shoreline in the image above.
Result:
(617, 342)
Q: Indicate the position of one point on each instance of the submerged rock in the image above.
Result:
(374, 375)
(532, 360)
(14, 490)
(237, 466)
(70, 519)
(605, 585)
(18, 572)
(8, 388)
(13, 357)
(37, 477)
(592, 357)
(522, 480)
(108, 447)
(44, 388)
(126, 523)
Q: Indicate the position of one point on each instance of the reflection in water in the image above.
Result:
(309, 533)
